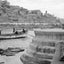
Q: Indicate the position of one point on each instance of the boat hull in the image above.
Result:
(7, 37)
(12, 38)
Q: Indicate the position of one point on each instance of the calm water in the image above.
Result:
(22, 43)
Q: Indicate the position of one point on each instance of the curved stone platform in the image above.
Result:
(44, 48)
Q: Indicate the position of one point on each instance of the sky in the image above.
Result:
(55, 7)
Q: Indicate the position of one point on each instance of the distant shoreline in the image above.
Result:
(30, 25)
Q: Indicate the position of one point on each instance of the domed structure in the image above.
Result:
(45, 48)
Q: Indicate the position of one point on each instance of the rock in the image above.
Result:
(2, 62)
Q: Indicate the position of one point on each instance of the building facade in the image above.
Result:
(46, 48)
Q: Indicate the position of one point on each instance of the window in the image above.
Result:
(44, 62)
(48, 50)
(38, 49)
(52, 51)
(52, 44)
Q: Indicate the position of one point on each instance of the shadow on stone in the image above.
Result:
(62, 59)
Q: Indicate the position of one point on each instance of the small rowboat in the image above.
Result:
(14, 35)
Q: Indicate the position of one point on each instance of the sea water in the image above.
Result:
(13, 43)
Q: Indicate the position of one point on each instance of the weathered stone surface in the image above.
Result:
(44, 49)
(2, 62)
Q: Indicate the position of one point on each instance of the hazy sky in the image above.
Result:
(55, 7)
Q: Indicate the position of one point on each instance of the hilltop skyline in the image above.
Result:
(55, 7)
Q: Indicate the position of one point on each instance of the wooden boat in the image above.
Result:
(14, 35)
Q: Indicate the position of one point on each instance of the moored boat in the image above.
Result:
(14, 35)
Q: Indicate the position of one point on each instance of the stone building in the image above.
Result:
(46, 48)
